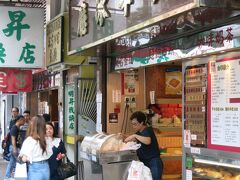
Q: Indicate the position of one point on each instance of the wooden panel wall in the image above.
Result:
(113, 83)
(155, 81)
(32, 103)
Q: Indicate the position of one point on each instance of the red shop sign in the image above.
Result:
(15, 80)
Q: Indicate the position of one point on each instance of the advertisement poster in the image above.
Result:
(224, 104)
(131, 83)
(173, 79)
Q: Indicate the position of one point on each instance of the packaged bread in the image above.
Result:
(226, 175)
(214, 174)
(198, 170)
(113, 143)
(237, 177)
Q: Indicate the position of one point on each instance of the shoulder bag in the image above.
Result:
(67, 169)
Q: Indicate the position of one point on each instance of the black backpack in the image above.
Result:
(5, 146)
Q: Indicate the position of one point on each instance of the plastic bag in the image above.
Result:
(21, 171)
(138, 171)
(130, 146)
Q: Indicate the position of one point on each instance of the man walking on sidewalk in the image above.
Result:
(15, 146)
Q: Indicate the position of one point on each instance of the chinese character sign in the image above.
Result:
(69, 109)
(54, 41)
(15, 80)
(21, 37)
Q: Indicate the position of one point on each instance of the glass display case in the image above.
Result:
(211, 164)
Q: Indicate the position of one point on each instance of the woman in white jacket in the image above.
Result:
(36, 150)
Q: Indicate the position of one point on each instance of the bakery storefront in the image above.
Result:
(192, 86)
(182, 72)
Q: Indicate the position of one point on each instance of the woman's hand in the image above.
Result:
(121, 135)
(22, 158)
(131, 138)
(60, 156)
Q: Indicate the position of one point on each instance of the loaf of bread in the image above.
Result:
(214, 174)
(226, 175)
(198, 170)
(111, 144)
(237, 177)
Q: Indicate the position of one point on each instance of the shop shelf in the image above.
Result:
(168, 128)
(171, 157)
(215, 154)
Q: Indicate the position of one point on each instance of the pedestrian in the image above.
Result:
(0, 132)
(15, 113)
(27, 117)
(15, 145)
(58, 149)
(36, 150)
(148, 153)
(7, 138)
(47, 117)
(23, 129)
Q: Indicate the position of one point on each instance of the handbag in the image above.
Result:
(67, 169)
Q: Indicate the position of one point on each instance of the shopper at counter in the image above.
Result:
(148, 153)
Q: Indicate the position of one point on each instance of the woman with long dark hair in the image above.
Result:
(58, 149)
(36, 150)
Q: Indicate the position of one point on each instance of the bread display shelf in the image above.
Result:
(216, 154)
(172, 177)
(204, 177)
(168, 128)
(169, 101)
(171, 157)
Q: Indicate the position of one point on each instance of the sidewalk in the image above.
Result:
(3, 166)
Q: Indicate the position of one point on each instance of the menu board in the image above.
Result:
(224, 104)
(195, 102)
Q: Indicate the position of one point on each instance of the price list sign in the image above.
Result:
(224, 104)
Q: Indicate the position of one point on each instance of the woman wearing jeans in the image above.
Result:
(36, 150)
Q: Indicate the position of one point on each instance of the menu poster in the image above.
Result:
(224, 104)
(173, 81)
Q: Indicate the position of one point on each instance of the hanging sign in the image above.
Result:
(224, 104)
(54, 41)
(15, 80)
(21, 37)
(69, 109)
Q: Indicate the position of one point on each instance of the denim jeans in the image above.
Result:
(38, 170)
(11, 164)
(156, 167)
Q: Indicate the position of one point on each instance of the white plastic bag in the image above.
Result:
(147, 173)
(138, 171)
(130, 146)
(20, 171)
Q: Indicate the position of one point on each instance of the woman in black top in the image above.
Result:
(58, 149)
(148, 153)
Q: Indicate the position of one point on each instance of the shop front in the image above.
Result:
(160, 66)
(44, 97)
(191, 85)
(76, 99)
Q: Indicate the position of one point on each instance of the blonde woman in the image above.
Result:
(36, 150)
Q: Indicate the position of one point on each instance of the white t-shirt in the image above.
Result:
(31, 148)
